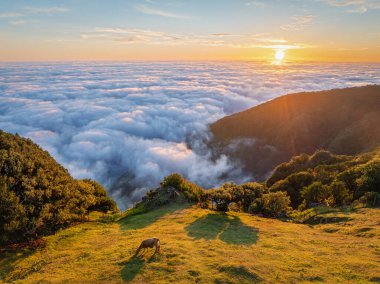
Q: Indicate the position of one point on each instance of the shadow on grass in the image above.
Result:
(144, 219)
(133, 266)
(228, 229)
(8, 261)
(239, 273)
(321, 219)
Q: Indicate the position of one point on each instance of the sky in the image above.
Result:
(307, 30)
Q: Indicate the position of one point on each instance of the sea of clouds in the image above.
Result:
(101, 120)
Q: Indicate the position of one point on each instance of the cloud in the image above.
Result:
(280, 46)
(298, 23)
(45, 10)
(138, 36)
(18, 22)
(256, 3)
(355, 6)
(156, 12)
(143, 121)
(31, 10)
(10, 15)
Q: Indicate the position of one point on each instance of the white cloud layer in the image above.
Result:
(101, 120)
(356, 6)
(157, 12)
(298, 23)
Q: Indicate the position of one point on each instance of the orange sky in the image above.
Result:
(325, 30)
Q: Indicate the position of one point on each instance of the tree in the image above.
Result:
(222, 199)
(13, 219)
(103, 202)
(272, 204)
(370, 179)
(340, 192)
(293, 185)
(316, 193)
(38, 192)
(189, 189)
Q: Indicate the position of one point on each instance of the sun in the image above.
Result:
(280, 54)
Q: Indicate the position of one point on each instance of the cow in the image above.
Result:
(149, 243)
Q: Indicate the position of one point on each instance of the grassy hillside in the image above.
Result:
(202, 246)
(343, 121)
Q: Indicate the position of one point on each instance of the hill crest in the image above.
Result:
(343, 121)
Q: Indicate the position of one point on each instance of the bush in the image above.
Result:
(316, 194)
(370, 179)
(189, 189)
(369, 199)
(38, 196)
(273, 204)
(341, 194)
(251, 191)
(293, 185)
(13, 219)
(221, 198)
(296, 164)
(157, 197)
(243, 195)
(321, 157)
(102, 202)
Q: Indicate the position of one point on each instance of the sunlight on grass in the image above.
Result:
(202, 246)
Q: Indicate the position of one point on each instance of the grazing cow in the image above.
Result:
(149, 243)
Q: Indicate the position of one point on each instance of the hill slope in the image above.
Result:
(343, 121)
(205, 247)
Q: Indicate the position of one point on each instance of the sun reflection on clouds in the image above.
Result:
(279, 57)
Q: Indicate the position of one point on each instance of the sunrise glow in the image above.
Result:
(279, 57)
(190, 30)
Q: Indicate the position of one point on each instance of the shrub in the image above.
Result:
(251, 191)
(102, 202)
(38, 196)
(349, 177)
(189, 189)
(296, 164)
(341, 194)
(293, 185)
(243, 195)
(316, 193)
(13, 219)
(157, 197)
(273, 204)
(221, 198)
(321, 157)
(370, 179)
(369, 199)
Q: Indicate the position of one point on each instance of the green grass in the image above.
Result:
(202, 246)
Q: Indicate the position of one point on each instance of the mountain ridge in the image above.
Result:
(343, 121)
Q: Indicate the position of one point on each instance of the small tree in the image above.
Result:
(316, 193)
(370, 180)
(340, 193)
(251, 191)
(273, 204)
(293, 185)
(222, 199)
(103, 202)
(189, 189)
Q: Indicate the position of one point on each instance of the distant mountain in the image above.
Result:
(343, 121)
